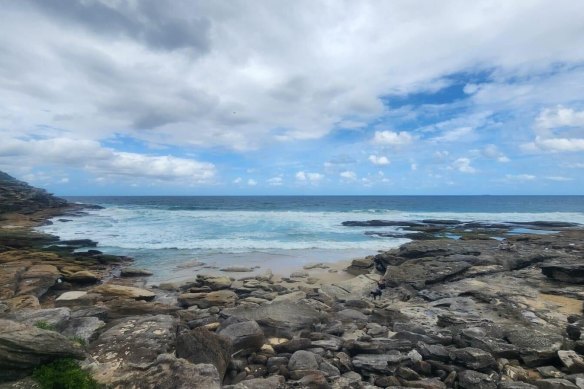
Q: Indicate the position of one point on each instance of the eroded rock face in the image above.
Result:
(202, 346)
(572, 273)
(131, 292)
(18, 196)
(246, 337)
(420, 272)
(133, 343)
(24, 347)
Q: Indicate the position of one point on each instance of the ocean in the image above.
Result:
(173, 236)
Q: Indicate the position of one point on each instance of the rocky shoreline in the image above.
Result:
(465, 313)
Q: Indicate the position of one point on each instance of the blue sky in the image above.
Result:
(308, 97)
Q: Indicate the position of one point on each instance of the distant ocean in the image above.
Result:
(165, 234)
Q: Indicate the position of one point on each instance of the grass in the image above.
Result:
(64, 374)
(43, 325)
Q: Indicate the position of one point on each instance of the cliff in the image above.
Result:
(19, 197)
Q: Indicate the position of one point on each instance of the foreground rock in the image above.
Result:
(111, 290)
(24, 347)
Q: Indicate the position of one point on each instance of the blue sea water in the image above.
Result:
(166, 234)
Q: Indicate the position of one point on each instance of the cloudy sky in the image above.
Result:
(302, 97)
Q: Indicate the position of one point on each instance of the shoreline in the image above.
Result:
(472, 313)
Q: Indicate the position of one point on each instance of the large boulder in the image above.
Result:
(246, 336)
(420, 272)
(24, 347)
(222, 298)
(572, 273)
(352, 289)
(55, 317)
(282, 318)
(203, 346)
(134, 343)
(536, 348)
(83, 328)
(37, 279)
(303, 360)
(167, 372)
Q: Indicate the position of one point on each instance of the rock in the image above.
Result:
(55, 317)
(293, 345)
(261, 383)
(215, 283)
(37, 279)
(124, 307)
(134, 272)
(292, 296)
(282, 318)
(554, 383)
(133, 343)
(376, 363)
(572, 361)
(246, 337)
(223, 298)
(351, 315)
(236, 269)
(23, 347)
(550, 372)
(473, 358)
(75, 299)
(352, 289)
(111, 290)
(299, 274)
(420, 272)
(314, 380)
(83, 328)
(516, 385)
(470, 379)
(82, 277)
(536, 348)
(572, 273)
(166, 372)
(201, 346)
(26, 301)
(303, 360)
(360, 266)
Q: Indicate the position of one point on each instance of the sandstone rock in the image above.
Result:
(224, 298)
(246, 337)
(202, 346)
(166, 372)
(26, 301)
(82, 277)
(360, 266)
(124, 307)
(37, 279)
(215, 283)
(76, 299)
(83, 328)
(111, 290)
(23, 347)
(56, 317)
(134, 272)
(135, 341)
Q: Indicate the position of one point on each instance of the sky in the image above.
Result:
(401, 97)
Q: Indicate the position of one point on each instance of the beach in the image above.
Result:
(467, 304)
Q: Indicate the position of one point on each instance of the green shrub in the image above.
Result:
(43, 325)
(64, 374)
(79, 340)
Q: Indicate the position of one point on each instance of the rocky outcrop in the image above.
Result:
(24, 347)
(18, 196)
(203, 346)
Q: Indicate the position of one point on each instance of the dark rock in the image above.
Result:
(56, 317)
(572, 361)
(134, 272)
(23, 347)
(377, 363)
(555, 383)
(572, 273)
(202, 346)
(84, 328)
(420, 272)
(536, 348)
(473, 358)
(246, 337)
(303, 360)
(293, 345)
(470, 379)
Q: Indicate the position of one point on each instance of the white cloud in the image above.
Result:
(463, 165)
(460, 134)
(492, 151)
(557, 144)
(381, 160)
(559, 117)
(238, 180)
(559, 178)
(275, 181)
(414, 167)
(348, 175)
(103, 161)
(252, 182)
(313, 178)
(520, 177)
(390, 138)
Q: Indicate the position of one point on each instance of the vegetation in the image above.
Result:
(64, 374)
(43, 325)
